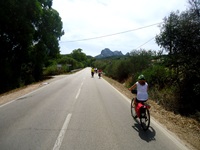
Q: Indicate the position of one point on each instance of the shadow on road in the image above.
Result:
(148, 135)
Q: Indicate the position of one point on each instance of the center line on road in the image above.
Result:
(79, 90)
(62, 133)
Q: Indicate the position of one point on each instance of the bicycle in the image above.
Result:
(142, 112)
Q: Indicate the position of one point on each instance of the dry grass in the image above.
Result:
(187, 129)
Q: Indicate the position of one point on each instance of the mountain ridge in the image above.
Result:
(108, 53)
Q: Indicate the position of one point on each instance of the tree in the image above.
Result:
(78, 55)
(47, 36)
(16, 36)
(180, 37)
(29, 33)
(195, 6)
(140, 60)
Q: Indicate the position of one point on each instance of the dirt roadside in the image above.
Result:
(14, 94)
(186, 129)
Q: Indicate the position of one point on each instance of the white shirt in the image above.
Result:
(142, 94)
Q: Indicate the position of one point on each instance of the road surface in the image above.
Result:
(77, 112)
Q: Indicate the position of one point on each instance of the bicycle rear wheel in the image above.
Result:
(145, 119)
(133, 114)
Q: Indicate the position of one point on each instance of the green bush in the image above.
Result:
(158, 76)
(51, 70)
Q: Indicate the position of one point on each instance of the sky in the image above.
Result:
(122, 25)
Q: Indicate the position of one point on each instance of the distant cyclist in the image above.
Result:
(142, 90)
(100, 73)
(92, 71)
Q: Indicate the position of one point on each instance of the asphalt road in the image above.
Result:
(77, 112)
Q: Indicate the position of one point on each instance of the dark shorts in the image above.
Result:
(139, 100)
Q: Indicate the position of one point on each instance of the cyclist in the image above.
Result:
(142, 90)
(99, 73)
(92, 71)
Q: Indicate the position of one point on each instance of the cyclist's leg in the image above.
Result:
(133, 104)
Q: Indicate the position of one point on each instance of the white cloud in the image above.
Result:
(93, 18)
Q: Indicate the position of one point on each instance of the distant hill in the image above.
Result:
(108, 53)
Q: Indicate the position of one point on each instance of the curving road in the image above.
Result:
(77, 112)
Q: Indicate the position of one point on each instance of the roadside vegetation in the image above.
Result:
(67, 63)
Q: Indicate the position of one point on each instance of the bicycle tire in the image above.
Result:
(145, 120)
(133, 114)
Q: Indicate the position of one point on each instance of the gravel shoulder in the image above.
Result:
(186, 129)
(16, 93)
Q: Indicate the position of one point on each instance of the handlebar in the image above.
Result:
(134, 91)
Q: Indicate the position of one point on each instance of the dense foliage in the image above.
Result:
(29, 34)
(120, 68)
(69, 62)
(180, 37)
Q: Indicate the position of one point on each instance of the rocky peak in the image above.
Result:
(108, 53)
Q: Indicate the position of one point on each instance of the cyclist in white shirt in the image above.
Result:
(142, 90)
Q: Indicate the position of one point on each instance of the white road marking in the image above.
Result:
(6, 103)
(62, 133)
(23, 96)
(40, 88)
(169, 134)
(79, 91)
